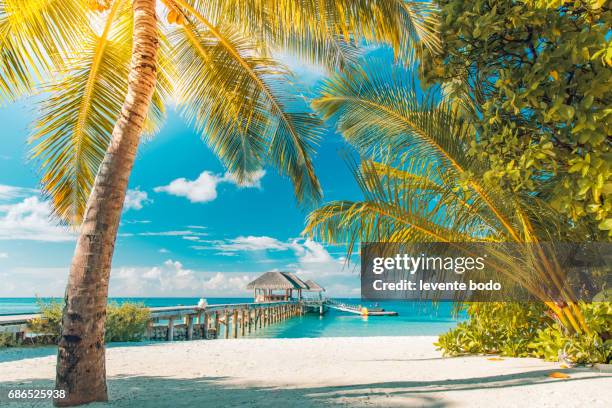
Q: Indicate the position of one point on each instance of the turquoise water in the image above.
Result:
(415, 319)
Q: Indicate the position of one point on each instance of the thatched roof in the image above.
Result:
(296, 279)
(314, 286)
(277, 281)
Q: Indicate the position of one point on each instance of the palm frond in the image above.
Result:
(35, 36)
(378, 111)
(75, 123)
(241, 102)
(294, 25)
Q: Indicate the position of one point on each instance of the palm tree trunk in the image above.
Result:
(81, 369)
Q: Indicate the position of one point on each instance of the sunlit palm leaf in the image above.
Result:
(378, 111)
(404, 25)
(242, 102)
(76, 121)
(35, 36)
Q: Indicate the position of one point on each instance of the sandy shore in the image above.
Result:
(374, 371)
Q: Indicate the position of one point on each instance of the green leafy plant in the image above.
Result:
(529, 330)
(8, 340)
(539, 71)
(50, 319)
(126, 322)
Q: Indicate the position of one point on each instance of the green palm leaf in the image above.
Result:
(35, 36)
(378, 111)
(75, 123)
(242, 104)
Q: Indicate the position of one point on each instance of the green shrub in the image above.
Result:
(8, 340)
(526, 330)
(125, 322)
(50, 319)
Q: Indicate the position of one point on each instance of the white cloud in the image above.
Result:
(173, 279)
(31, 219)
(137, 221)
(28, 282)
(12, 192)
(312, 260)
(163, 251)
(204, 188)
(135, 200)
(252, 243)
(164, 233)
(170, 279)
(3, 255)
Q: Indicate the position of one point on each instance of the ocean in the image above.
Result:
(415, 319)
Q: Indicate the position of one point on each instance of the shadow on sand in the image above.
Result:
(151, 391)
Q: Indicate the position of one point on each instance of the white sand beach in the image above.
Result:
(369, 371)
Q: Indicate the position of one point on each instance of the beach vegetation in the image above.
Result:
(49, 323)
(124, 322)
(8, 340)
(540, 72)
(420, 183)
(528, 330)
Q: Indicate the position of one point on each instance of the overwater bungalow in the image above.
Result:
(266, 288)
(315, 288)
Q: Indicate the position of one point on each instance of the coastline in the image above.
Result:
(315, 372)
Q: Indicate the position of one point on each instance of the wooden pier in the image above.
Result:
(223, 321)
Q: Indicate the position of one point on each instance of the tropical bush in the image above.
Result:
(529, 330)
(540, 73)
(124, 322)
(8, 340)
(50, 320)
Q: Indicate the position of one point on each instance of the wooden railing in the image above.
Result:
(192, 322)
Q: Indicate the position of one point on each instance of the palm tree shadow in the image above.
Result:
(154, 391)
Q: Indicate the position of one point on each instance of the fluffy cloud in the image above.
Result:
(135, 200)
(170, 279)
(251, 243)
(30, 219)
(12, 192)
(204, 188)
(173, 279)
(3, 255)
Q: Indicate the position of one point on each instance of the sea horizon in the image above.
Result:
(414, 318)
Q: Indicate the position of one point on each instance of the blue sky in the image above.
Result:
(187, 230)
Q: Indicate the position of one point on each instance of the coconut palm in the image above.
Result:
(420, 184)
(103, 72)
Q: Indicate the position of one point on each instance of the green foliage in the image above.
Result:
(50, 319)
(125, 322)
(8, 340)
(539, 72)
(504, 328)
(526, 330)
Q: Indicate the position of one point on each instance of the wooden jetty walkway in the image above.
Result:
(220, 321)
(193, 322)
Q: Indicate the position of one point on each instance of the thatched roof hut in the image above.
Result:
(288, 282)
(277, 281)
(314, 286)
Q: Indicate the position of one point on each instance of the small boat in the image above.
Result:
(381, 312)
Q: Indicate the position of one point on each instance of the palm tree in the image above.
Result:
(420, 184)
(104, 71)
